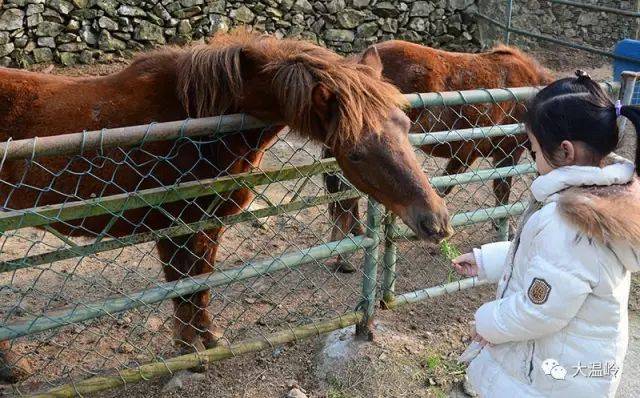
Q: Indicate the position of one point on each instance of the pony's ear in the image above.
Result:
(250, 61)
(371, 58)
(324, 101)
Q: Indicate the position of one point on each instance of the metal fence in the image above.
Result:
(89, 308)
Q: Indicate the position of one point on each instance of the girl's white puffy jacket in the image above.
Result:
(563, 288)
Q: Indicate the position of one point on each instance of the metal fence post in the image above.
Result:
(389, 261)
(369, 280)
(627, 89)
(502, 225)
(507, 30)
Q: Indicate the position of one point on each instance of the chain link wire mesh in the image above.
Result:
(73, 265)
(118, 340)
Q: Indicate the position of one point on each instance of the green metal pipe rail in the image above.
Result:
(75, 143)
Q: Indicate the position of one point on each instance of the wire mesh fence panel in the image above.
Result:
(111, 255)
(168, 235)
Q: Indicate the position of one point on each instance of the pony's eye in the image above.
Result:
(355, 156)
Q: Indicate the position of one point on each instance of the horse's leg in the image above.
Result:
(191, 256)
(13, 366)
(457, 164)
(502, 186)
(344, 215)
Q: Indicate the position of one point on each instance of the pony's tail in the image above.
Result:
(633, 114)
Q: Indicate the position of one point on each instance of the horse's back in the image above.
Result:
(414, 67)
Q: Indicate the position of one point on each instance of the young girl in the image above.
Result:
(558, 326)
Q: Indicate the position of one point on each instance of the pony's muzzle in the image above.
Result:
(434, 227)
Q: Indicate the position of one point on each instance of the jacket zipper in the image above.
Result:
(533, 348)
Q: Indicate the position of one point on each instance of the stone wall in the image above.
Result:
(594, 28)
(83, 31)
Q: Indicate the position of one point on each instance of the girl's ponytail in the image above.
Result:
(633, 114)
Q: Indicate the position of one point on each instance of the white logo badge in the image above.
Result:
(552, 368)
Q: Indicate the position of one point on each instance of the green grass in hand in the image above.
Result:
(449, 250)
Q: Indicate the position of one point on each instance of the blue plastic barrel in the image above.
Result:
(628, 48)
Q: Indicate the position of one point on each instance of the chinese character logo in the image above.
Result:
(597, 369)
(552, 368)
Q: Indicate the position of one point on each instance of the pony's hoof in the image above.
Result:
(195, 347)
(357, 230)
(13, 369)
(212, 338)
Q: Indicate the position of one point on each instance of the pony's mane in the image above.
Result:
(544, 75)
(210, 82)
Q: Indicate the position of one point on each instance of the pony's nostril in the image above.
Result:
(428, 226)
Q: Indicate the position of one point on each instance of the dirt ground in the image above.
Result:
(435, 331)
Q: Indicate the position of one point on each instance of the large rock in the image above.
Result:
(109, 43)
(131, 11)
(63, 7)
(386, 9)
(367, 29)
(88, 36)
(52, 16)
(66, 38)
(46, 42)
(33, 9)
(43, 54)
(86, 57)
(422, 9)
(335, 6)
(587, 19)
(88, 14)
(161, 12)
(4, 37)
(389, 25)
(340, 35)
(34, 20)
(149, 32)
(410, 35)
(47, 28)
(107, 23)
(11, 19)
(6, 49)
(191, 3)
(360, 4)
(187, 12)
(216, 6)
(184, 27)
(350, 18)
(73, 47)
(68, 59)
(418, 24)
(303, 6)
(242, 14)
(108, 6)
(80, 3)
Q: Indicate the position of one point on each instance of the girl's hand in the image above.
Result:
(476, 337)
(465, 265)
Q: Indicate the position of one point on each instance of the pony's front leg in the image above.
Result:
(13, 366)
(184, 257)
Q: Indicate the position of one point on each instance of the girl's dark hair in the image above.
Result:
(577, 109)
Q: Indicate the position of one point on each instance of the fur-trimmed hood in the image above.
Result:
(603, 203)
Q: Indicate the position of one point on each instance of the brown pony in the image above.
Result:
(418, 69)
(340, 102)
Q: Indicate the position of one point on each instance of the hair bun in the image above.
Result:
(582, 74)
